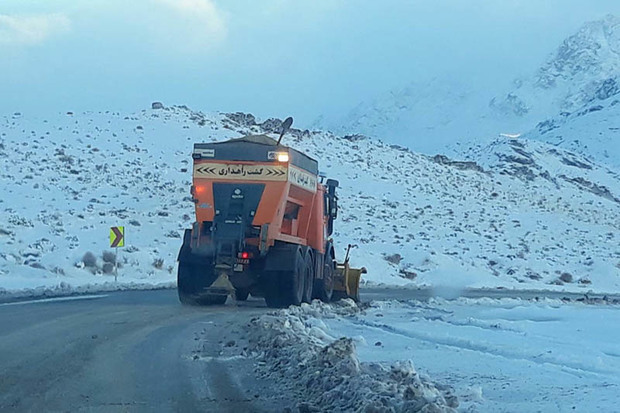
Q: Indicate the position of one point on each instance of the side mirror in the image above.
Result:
(332, 183)
(331, 203)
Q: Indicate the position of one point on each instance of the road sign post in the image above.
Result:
(117, 239)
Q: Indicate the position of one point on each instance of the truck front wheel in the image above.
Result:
(324, 287)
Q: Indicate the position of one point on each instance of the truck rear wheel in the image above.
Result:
(193, 276)
(186, 284)
(285, 288)
(241, 294)
(308, 277)
(212, 299)
(186, 278)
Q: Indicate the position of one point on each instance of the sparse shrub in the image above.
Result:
(5, 232)
(533, 275)
(19, 221)
(89, 260)
(109, 257)
(410, 275)
(108, 268)
(68, 159)
(394, 258)
(58, 270)
(173, 234)
(566, 277)
(158, 263)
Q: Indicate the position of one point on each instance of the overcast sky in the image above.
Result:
(268, 57)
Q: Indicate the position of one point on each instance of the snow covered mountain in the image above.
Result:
(584, 69)
(592, 130)
(445, 116)
(528, 214)
(422, 116)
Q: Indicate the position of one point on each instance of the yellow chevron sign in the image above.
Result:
(117, 237)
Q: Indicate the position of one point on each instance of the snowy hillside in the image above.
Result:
(530, 160)
(592, 131)
(415, 219)
(424, 116)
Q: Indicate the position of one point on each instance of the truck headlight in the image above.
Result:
(282, 157)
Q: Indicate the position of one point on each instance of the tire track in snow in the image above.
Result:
(576, 369)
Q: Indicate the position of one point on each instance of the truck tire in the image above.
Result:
(186, 284)
(193, 276)
(285, 288)
(241, 294)
(272, 287)
(212, 299)
(324, 287)
(308, 277)
(186, 280)
(341, 295)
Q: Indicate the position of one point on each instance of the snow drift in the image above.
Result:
(299, 354)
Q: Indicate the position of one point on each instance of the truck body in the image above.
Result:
(263, 226)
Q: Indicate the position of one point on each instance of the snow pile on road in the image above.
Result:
(298, 352)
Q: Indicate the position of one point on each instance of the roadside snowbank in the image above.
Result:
(63, 289)
(297, 352)
(508, 355)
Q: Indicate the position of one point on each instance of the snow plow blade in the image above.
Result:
(347, 282)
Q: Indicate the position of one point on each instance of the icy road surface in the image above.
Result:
(500, 355)
(137, 351)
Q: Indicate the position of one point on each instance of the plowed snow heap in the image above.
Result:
(263, 222)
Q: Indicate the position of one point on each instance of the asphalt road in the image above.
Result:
(128, 351)
(143, 351)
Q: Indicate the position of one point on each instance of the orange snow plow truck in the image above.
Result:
(263, 225)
